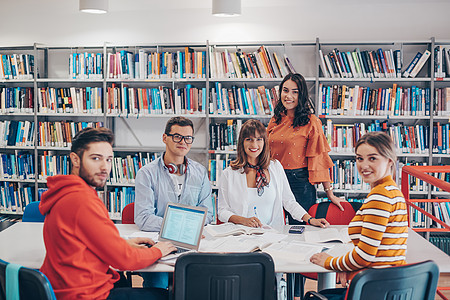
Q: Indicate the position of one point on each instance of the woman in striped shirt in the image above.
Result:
(380, 228)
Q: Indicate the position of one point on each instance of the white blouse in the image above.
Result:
(261, 206)
(233, 197)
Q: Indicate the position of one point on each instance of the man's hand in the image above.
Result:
(140, 242)
(165, 247)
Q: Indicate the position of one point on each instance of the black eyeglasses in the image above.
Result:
(177, 138)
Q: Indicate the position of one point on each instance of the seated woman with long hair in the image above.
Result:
(379, 229)
(254, 189)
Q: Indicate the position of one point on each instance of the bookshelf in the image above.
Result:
(138, 123)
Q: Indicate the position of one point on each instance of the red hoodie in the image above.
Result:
(82, 242)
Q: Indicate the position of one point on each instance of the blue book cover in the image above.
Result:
(6, 66)
(204, 99)
(412, 64)
(99, 63)
(125, 98)
(445, 131)
(182, 66)
(427, 101)
(218, 97)
(366, 100)
(346, 64)
(413, 101)
(398, 100)
(188, 98)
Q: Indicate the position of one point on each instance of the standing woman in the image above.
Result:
(253, 190)
(297, 140)
(379, 229)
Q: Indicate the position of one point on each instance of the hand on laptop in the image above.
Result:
(140, 242)
(165, 248)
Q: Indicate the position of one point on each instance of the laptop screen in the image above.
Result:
(183, 225)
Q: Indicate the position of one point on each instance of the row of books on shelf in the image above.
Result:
(440, 210)
(441, 62)
(157, 65)
(124, 169)
(242, 101)
(86, 65)
(258, 64)
(50, 134)
(370, 63)
(335, 100)
(16, 66)
(71, 100)
(224, 136)
(14, 198)
(345, 176)
(115, 200)
(16, 100)
(342, 138)
(126, 100)
(20, 166)
(441, 241)
(363, 101)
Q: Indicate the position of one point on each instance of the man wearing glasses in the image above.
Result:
(171, 178)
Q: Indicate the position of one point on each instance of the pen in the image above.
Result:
(256, 214)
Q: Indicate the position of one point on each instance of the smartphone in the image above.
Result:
(297, 229)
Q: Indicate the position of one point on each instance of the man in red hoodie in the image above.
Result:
(80, 238)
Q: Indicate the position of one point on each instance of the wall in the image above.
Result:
(58, 22)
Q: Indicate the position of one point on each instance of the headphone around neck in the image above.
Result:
(173, 168)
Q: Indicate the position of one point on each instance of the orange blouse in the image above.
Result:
(301, 147)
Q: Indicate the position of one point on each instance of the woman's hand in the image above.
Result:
(319, 258)
(140, 242)
(319, 222)
(250, 222)
(336, 200)
(341, 277)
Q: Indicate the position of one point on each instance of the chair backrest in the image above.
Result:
(32, 213)
(333, 214)
(128, 214)
(231, 276)
(33, 285)
(408, 282)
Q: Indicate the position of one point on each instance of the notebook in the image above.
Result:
(183, 226)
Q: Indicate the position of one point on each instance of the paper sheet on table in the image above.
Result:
(148, 234)
(327, 235)
(229, 244)
(292, 251)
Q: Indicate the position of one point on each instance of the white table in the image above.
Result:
(23, 244)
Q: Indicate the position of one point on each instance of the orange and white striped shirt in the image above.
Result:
(379, 231)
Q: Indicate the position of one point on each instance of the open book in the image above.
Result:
(227, 229)
(240, 243)
(327, 235)
(292, 251)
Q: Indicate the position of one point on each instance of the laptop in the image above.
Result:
(183, 226)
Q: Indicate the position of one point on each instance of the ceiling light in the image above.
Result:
(226, 8)
(94, 6)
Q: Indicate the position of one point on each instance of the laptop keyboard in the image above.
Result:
(181, 250)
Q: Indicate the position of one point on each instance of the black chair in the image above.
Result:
(408, 282)
(232, 276)
(32, 284)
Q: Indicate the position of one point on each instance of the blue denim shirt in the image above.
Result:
(154, 189)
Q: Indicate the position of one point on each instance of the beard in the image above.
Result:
(90, 179)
